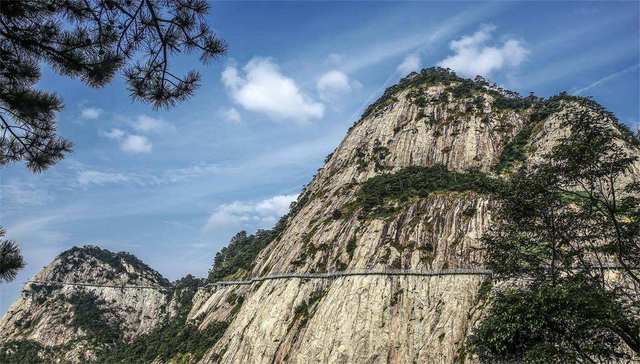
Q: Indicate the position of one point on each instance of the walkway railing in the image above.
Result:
(327, 275)
(61, 283)
(334, 275)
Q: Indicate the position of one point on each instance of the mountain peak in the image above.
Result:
(92, 264)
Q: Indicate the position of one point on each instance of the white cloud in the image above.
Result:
(472, 56)
(275, 206)
(89, 177)
(410, 64)
(144, 123)
(261, 214)
(264, 89)
(333, 84)
(18, 193)
(136, 144)
(130, 143)
(90, 113)
(232, 115)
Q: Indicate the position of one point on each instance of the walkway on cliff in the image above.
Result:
(327, 275)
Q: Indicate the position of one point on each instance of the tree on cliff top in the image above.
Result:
(91, 40)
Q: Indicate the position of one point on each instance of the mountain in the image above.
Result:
(407, 189)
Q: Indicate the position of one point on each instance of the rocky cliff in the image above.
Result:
(76, 320)
(362, 211)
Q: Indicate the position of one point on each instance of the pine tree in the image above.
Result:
(91, 40)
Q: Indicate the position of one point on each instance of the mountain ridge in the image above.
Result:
(407, 188)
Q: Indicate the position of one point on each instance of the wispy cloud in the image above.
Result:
(260, 214)
(261, 87)
(605, 79)
(146, 124)
(380, 51)
(581, 61)
(90, 177)
(90, 113)
(86, 177)
(335, 84)
(20, 193)
(136, 144)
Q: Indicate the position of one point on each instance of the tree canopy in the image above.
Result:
(11, 260)
(91, 40)
(567, 231)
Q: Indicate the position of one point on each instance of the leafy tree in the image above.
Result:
(10, 258)
(565, 322)
(91, 40)
(240, 254)
(562, 225)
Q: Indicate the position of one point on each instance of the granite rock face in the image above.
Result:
(355, 319)
(373, 319)
(73, 317)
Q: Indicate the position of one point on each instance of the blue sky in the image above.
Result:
(172, 186)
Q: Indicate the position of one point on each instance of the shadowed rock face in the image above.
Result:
(356, 319)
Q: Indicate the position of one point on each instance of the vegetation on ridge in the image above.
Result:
(116, 261)
(378, 192)
(240, 254)
(459, 88)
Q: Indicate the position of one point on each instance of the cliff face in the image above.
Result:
(422, 122)
(429, 120)
(75, 320)
(368, 319)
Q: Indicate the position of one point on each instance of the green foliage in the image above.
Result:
(90, 316)
(90, 40)
(379, 153)
(11, 260)
(172, 340)
(116, 261)
(351, 246)
(378, 191)
(328, 157)
(464, 88)
(516, 149)
(176, 338)
(421, 101)
(428, 76)
(361, 158)
(558, 224)
(23, 352)
(240, 254)
(568, 322)
(303, 310)
(460, 88)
